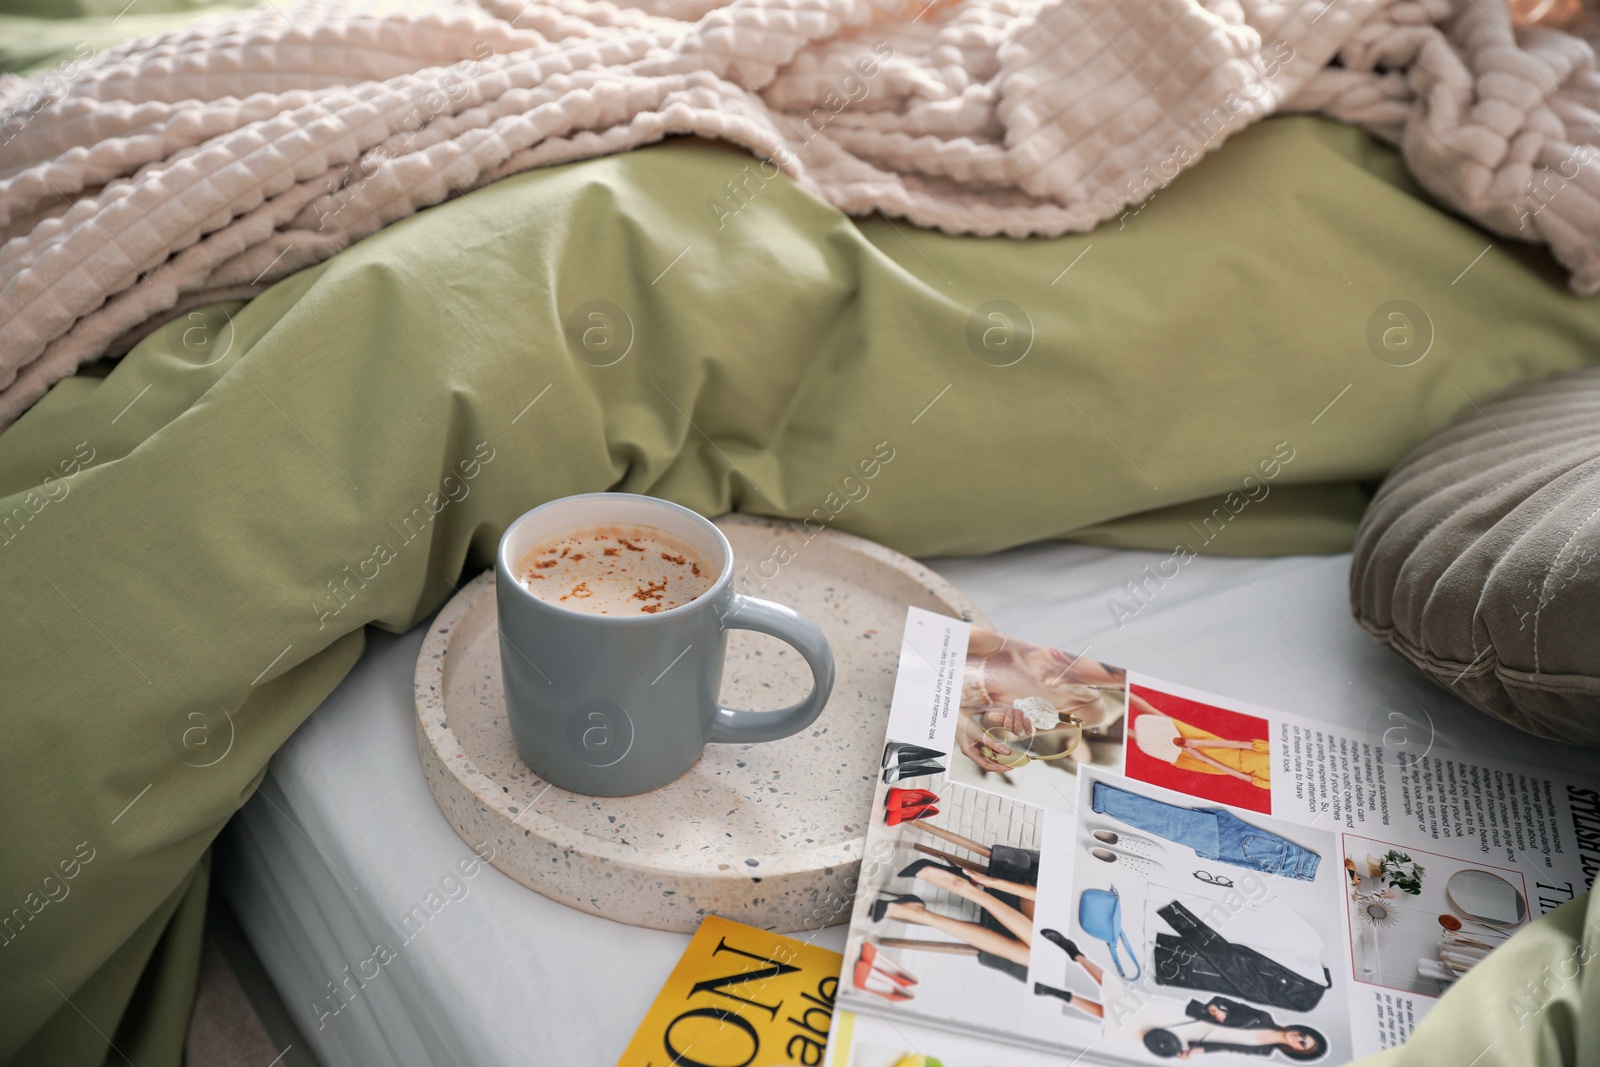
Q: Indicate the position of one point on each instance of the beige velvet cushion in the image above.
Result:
(1479, 559)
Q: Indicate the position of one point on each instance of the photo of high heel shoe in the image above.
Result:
(871, 976)
(880, 907)
(899, 797)
(911, 769)
(896, 816)
(897, 752)
(887, 967)
(922, 865)
(870, 981)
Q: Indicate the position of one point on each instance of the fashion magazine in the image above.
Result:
(1069, 858)
(740, 995)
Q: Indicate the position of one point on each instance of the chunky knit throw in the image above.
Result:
(210, 162)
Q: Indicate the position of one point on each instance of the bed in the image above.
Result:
(206, 530)
(345, 836)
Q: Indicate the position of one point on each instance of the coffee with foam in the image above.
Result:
(615, 570)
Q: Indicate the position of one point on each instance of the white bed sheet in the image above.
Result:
(344, 837)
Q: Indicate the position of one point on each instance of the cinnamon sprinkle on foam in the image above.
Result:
(587, 571)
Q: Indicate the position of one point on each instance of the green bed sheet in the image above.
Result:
(193, 540)
(53, 38)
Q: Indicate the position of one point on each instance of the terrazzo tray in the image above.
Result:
(769, 835)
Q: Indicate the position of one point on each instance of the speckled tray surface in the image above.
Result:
(769, 835)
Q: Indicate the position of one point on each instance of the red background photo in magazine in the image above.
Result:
(1228, 725)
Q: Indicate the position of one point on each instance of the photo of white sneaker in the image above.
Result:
(1128, 844)
(1145, 868)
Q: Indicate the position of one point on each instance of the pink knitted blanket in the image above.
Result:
(210, 162)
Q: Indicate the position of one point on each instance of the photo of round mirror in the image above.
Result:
(1485, 897)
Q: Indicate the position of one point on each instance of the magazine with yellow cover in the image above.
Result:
(740, 995)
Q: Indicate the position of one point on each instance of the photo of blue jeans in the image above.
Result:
(1213, 833)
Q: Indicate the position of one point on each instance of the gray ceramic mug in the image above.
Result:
(613, 705)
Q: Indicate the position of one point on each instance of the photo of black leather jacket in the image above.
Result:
(1197, 957)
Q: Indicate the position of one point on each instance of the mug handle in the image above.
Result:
(786, 624)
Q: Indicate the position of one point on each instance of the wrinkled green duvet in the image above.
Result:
(1534, 1003)
(192, 544)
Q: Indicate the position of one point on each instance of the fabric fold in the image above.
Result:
(223, 157)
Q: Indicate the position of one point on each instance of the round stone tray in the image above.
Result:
(768, 835)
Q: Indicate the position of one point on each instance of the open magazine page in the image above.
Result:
(1067, 857)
